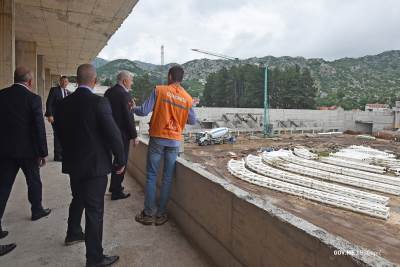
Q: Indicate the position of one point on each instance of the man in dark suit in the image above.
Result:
(56, 94)
(23, 142)
(120, 99)
(89, 136)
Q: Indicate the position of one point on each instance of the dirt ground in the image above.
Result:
(380, 236)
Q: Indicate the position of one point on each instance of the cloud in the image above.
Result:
(327, 29)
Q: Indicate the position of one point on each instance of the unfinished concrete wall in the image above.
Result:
(363, 127)
(236, 228)
(380, 120)
(325, 120)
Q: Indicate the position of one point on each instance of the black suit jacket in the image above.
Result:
(88, 134)
(54, 97)
(22, 134)
(119, 100)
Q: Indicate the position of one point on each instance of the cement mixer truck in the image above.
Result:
(215, 136)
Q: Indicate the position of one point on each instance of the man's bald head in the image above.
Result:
(86, 75)
(22, 75)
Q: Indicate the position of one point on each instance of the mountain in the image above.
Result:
(368, 78)
(98, 62)
(146, 66)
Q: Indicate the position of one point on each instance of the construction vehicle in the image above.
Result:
(215, 136)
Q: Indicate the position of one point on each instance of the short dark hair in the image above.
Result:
(63, 77)
(22, 74)
(176, 73)
(85, 73)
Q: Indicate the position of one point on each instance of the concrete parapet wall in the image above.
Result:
(235, 228)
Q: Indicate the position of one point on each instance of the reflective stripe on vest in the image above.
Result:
(170, 113)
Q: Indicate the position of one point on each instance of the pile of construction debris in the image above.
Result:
(329, 180)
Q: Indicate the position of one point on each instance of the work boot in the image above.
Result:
(144, 219)
(161, 219)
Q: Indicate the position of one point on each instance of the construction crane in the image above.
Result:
(267, 128)
(239, 85)
(215, 54)
(162, 64)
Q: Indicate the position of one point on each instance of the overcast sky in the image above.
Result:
(328, 29)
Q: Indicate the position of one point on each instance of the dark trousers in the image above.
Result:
(57, 145)
(88, 193)
(8, 171)
(117, 179)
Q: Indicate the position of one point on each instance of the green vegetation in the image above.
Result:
(244, 87)
(193, 87)
(142, 88)
(348, 82)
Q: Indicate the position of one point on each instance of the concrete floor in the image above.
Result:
(40, 243)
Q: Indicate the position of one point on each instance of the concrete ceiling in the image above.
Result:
(69, 32)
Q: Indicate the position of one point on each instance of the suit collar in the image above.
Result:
(120, 87)
(83, 88)
(23, 86)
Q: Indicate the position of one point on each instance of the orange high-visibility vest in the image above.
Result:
(170, 113)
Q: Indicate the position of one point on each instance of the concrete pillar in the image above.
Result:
(26, 55)
(55, 79)
(7, 42)
(47, 83)
(40, 76)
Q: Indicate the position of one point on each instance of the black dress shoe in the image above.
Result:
(71, 240)
(40, 214)
(3, 234)
(110, 191)
(106, 261)
(4, 249)
(120, 195)
(58, 158)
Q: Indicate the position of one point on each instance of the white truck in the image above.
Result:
(215, 136)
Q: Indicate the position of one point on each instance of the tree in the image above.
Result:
(142, 88)
(288, 88)
(107, 82)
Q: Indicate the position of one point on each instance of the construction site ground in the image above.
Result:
(379, 236)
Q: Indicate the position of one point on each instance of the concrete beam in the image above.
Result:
(7, 42)
(40, 76)
(88, 25)
(26, 55)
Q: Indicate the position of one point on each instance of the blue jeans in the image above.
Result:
(154, 154)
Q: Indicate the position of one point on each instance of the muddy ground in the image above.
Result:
(380, 236)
